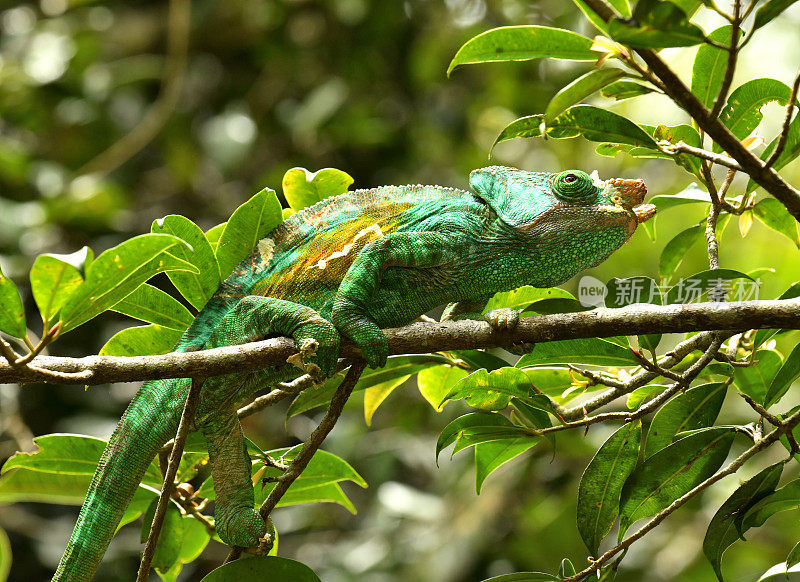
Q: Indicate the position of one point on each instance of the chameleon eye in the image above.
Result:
(573, 185)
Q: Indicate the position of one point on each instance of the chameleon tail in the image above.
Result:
(149, 422)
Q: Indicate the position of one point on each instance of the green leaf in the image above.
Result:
(671, 472)
(742, 113)
(721, 532)
(791, 560)
(602, 481)
(396, 367)
(597, 124)
(375, 395)
(70, 454)
(60, 488)
(436, 382)
(197, 288)
(524, 297)
(170, 540)
(698, 407)
(118, 272)
(12, 314)
(769, 11)
(566, 569)
(5, 555)
(524, 577)
(302, 188)
(330, 493)
(150, 304)
(595, 351)
(523, 43)
(579, 89)
(642, 394)
(693, 287)
(783, 499)
(491, 390)
(530, 126)
(658, 25)
(53, 280)
(489, 456)
(774, 215)
(248, 224)
(592, 16)
(709, 66)
(675, 134)
(270, 568)
(625, 90)
(675, 250)
(754, 380)
(477, 359)
(323, 469)
(553, 381)
(212, 236)
(486, 426)
(788, 373)
(143, 340)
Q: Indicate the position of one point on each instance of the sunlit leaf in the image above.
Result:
(754, 380)
(248, 224)
(625, 90)
(152, 305)
(742, 112)
(524, 297)
(197, 288)
(302, 188)
(522, 43)
(53, 280)
(436, 382)
(774, 215)
(770, 10)
(709, 66)
(375, 395)
(579, 89)
(118, 272)
(12, 314)
(143, 340)
(657, 25)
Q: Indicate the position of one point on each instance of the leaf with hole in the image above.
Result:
(742, 112)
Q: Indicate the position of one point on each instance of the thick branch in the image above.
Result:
(421, 338)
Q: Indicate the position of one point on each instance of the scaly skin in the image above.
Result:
(350, 266)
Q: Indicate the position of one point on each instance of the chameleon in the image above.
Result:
(347, 267)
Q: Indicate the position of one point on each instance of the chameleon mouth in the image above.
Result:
(644, 212)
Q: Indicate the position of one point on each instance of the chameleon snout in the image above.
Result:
(629, 194)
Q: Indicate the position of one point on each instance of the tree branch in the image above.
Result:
(762, 175)
(420, 338)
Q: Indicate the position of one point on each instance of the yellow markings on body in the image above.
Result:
(364, 236)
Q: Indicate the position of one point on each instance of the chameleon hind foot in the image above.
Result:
(242, 527)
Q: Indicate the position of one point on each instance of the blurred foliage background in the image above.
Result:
(265, 85)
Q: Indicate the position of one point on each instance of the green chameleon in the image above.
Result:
(347, 267)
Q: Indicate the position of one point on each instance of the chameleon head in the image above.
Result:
(571, 220)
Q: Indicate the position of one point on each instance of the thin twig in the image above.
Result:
(311, 446)
(730, 67)
(187, 417)
(684, 148)
(786, 124)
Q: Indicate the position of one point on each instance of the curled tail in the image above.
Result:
(149, 422)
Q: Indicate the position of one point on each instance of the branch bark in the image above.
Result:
(761, 174)
(420, 338)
